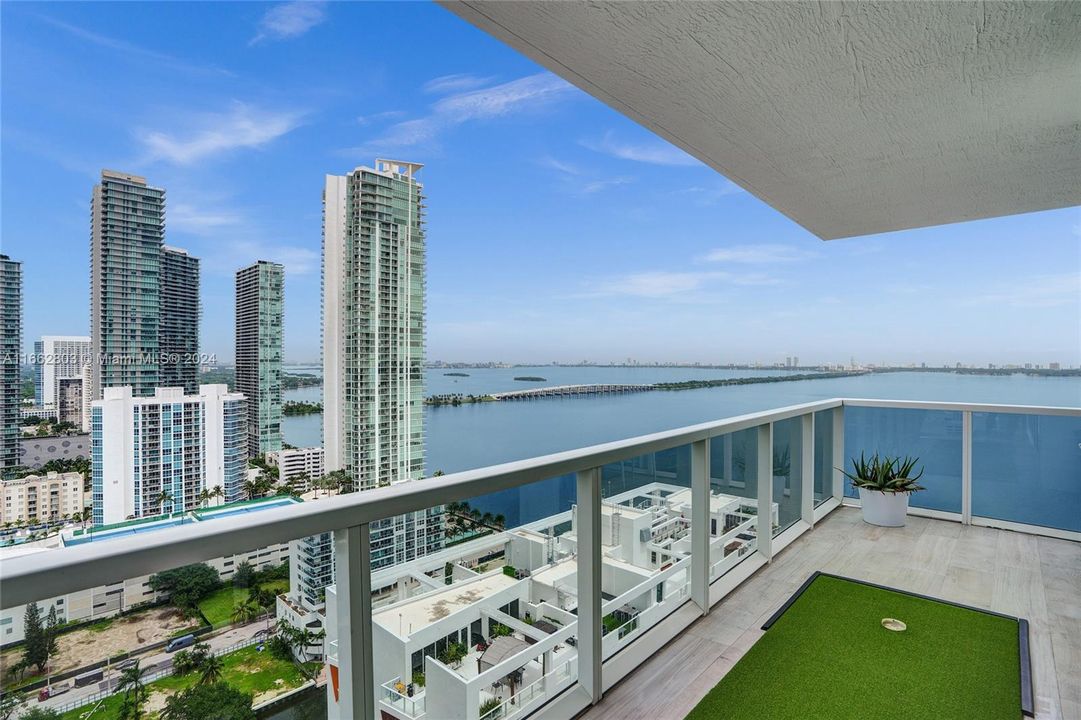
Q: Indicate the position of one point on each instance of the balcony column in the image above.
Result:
(353, 584)
(807, 468)
(589, 583)
(700, 530)
(838, 452)
(765, 491)
(966, 467)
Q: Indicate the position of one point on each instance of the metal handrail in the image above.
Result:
(50, 574)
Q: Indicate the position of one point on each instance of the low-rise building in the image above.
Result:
(42, 498)
(301, 465)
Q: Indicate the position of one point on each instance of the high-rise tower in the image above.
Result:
(373, 342)
(127, 227)
(178, 332)
(259, 292)
(11, 310)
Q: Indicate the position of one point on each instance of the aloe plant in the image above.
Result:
(885, 474)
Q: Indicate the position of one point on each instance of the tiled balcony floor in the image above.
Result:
(1032, 577)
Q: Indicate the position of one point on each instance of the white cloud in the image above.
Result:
(662, 284)
(560, 166)
(654, 153)
(1039, 291)
(705, 195)
(242, 126)
(458, 82)
(595, 186)
(230, 255)
(759, 254)
(184, 217)
(376, 117)
(289, 20)
(130, 50)
(580, 182)
(529, 93)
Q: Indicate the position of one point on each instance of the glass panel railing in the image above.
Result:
(645, 543)
(823, 458)
(153, 641)
(787, 472)
(733, 513)
(1027, 469)
(485, 626)
(933, 436)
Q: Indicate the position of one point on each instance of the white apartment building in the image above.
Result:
(307, 464)
(39, 498)
(511, 600)
(58, 357)
(170, 446)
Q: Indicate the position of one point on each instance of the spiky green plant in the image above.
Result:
(885, 474)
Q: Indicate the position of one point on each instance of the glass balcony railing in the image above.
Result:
(605, 554)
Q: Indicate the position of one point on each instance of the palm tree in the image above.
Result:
(204, 497)
(131, 684)
(163, 497)
(251, 489)
(212, 669)
(216, 492)
(245, 612)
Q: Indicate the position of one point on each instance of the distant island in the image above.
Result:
(296, 407)
(456, 374)
(457, 399)
(531, 378)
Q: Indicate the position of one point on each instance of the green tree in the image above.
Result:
(9, 703)
(52, 629)
(186, 585)
(244, 575)
(212, 669)
(218, 701)
(131, 684)
(245, 612)
(164, 497)
(36, 641)
(40, 713)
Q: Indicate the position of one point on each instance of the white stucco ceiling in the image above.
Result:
(850, 118)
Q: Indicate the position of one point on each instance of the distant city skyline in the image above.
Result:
(558, 229)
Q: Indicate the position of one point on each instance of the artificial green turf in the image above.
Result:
(829, 657)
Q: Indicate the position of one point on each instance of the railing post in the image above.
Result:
(765, 490)
(700, 530)
(838, 454)
(353, 585)
(966, 467)
(807, 468)
(589, 583)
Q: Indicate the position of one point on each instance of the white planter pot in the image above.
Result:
(885, 509)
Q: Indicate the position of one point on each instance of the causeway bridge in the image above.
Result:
(568, 390)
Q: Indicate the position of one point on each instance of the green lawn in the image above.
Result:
(247, 670)
(828, 656)
(217, 607)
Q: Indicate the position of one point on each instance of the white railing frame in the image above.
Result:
(348, 516)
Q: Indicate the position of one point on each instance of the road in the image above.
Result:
(151, 662)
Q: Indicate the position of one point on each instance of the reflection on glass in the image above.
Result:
(733, 512)
(787, 472)
(934, 436)
(487, 627)
(645, 543)
(1027, 469)
(823, 458)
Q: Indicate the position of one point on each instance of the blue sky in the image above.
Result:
(557, 229)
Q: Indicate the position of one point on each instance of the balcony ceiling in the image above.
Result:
(849, 118)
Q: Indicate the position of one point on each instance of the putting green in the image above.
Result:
(829, 657)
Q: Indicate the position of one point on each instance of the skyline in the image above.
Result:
(558, 230)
